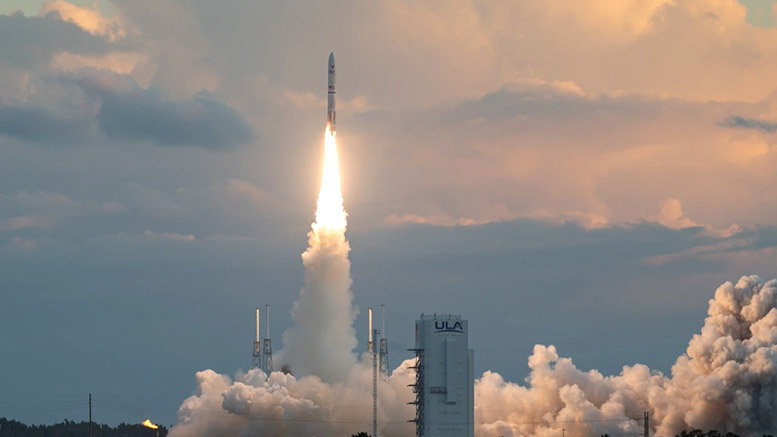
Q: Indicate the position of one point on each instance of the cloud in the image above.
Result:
(91, 20)
(144, 115)
(170, 236)
(71, 107)
(24, 244)
(585, 220)
(40, 124)
(119, 62)
(671, 215)
(29, 41)
(46, 209)
(22, 222)
(534, 145)
(689, 49)
(737, 121)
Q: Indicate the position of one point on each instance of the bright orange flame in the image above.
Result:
(330, 212)
(148, 424)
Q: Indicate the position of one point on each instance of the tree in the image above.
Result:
(700, 433)
(361, 434)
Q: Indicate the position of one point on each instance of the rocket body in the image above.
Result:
(330, 101)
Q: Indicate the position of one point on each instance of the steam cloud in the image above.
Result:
(726, 380)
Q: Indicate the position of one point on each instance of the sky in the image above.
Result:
(557, 173)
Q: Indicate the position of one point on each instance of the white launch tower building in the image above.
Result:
(444, 386)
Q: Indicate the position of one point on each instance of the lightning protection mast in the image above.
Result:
(383, 345)
(256, 361)
(267, 357)
(374, 333)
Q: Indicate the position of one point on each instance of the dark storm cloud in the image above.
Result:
(28, 41)
(115, 105)
(737, 121)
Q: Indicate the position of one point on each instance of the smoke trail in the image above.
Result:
(322, 340)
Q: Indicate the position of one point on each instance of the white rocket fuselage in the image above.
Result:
(330, 102)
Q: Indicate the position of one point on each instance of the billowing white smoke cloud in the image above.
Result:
(727, 380)
(282, 405)
(323, 339)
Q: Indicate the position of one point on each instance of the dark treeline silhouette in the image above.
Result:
(711, 433)
(12, 428)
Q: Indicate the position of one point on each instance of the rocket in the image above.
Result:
(330, 102)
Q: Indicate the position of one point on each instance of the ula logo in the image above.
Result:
(448, 327)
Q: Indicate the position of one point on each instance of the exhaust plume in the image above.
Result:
(147, 423)
(322, 340)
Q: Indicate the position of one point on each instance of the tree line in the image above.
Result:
(12, 428)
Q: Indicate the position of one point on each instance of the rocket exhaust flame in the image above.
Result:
(330, 213)
(147, 423)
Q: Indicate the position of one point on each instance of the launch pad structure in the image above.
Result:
(261, 357)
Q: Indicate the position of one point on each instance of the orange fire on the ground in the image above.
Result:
(147, 423)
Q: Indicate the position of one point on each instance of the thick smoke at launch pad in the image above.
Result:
(726, 380)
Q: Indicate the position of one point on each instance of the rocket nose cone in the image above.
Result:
(331, 58)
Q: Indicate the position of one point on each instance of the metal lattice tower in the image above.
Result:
(418, 389)
(375, 333)
(646, 420)
(384, 364)
(267, 356)
(256, 356)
